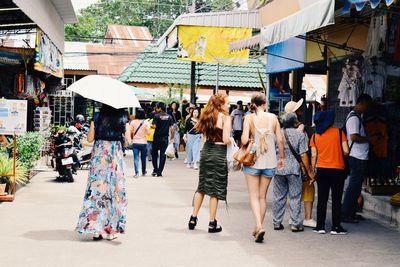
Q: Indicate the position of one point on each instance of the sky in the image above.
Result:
(79, 4)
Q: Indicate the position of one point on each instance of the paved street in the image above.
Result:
(37, 230)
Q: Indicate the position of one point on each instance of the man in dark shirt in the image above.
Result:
(163, 125)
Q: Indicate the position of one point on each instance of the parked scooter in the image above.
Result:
(65, 157)
(84, 154)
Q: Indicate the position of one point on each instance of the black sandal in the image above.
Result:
(192, 222)
(278, 227)
(97, 237)
(260, 235)
(213, 227)
(296, 229)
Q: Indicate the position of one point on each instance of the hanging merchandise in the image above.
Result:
(376, 40)
(374, 77)
(19, 85)
(350, 85)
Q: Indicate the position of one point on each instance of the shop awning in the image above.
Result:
(234, 19)
(360, 4)
(303, 16)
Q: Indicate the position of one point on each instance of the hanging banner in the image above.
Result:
(48, 58)
(211, 44)
(286, 56)
(13, 116)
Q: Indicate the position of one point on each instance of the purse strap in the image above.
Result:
(138, 128)
(295, 154)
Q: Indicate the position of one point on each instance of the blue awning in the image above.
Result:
(360, 4)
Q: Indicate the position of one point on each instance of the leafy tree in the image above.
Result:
(157, 15)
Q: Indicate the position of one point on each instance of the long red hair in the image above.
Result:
(208, 119)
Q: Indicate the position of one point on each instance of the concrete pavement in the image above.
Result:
(37, 230)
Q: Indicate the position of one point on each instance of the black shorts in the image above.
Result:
(237, 135)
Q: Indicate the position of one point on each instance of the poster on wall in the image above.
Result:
(280, 87)
(48, 58)
(13, 116)
(211, 44)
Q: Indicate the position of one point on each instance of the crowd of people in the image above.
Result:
(287, 158)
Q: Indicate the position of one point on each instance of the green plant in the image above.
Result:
(7, 167)
(54, 128)
(28, 148)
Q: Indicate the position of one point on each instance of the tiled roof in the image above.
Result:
(150, 67)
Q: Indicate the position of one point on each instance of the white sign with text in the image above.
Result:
(13, 116)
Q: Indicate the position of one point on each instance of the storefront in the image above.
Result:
(31, 55)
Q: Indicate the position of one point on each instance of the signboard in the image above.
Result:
(48, 58)
(13, 116)
(211, 44)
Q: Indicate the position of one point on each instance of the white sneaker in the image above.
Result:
(188, 166)
(195, 166)
(310, 223)
(185, 162)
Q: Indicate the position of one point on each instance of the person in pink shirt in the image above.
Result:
(140, 128)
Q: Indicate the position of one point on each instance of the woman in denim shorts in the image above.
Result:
(264, 129)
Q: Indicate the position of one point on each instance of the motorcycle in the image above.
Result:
(84, 154)
(65, 158)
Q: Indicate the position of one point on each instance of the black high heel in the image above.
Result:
(213, 227)
(192, 222)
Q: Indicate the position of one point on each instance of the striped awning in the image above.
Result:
(302, 17)
(360, 4)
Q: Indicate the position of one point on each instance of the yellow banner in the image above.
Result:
(211, 44)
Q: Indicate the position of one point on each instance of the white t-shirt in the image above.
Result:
(358, 150)
(237, 116)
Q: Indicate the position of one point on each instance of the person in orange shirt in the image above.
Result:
(328, 150)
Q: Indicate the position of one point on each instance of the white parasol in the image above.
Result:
(106, 90)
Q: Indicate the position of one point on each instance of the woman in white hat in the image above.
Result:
(308, 193)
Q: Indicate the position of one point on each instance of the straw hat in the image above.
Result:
(292, 106)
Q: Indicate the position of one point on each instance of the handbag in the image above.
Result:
(303, 170)
(244, 155)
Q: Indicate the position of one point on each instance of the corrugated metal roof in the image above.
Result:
(150, 67)
(75, 57)
(128, 35)
(109, 59)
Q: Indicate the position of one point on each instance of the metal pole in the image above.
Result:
(193, 82)
(193, 69)
(217, 80)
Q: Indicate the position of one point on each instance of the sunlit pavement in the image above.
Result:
(37, 229)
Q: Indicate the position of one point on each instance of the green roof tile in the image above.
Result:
(150, 67)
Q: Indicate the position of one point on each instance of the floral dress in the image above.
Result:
(104, 203)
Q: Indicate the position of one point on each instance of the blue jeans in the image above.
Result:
(149, 149)
(193, 148)
(159, 144)
(356, 177)
(142, 149)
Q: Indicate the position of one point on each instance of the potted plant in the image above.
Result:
(7, 167)
(3, 183)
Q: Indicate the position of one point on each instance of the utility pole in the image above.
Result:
(193, 68)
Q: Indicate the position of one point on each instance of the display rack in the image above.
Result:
(42, 119)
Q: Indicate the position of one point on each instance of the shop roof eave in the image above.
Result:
(235, 19)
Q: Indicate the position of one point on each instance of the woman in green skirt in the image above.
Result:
(215, 125)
